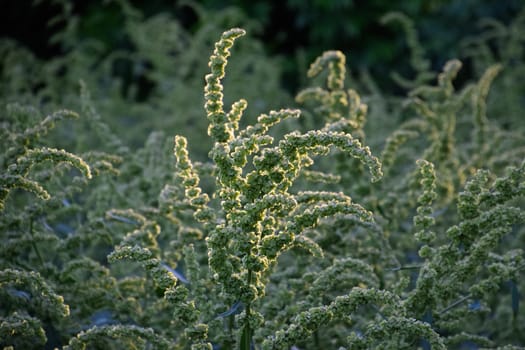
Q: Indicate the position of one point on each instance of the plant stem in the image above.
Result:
(231, 340)
(33, 244)
(246, 337)
(456, 303)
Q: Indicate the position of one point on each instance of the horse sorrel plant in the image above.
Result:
(267, 246)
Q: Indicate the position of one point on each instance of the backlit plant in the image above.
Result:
(268, 245)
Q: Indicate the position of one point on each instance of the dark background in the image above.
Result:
(286, 27)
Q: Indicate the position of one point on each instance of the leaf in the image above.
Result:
(475, 305)
(19, 293)
(235, 309)
(102, 318)
(122, 219)
(176, 273)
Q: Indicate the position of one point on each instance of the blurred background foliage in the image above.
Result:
(143, 63)
(290, 28)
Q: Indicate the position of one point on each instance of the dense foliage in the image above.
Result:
(353, 221)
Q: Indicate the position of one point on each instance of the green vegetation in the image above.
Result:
(355, 220)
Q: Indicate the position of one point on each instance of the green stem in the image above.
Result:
(246, 337)
(456, 303)
(33, 243)
(231, 341)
